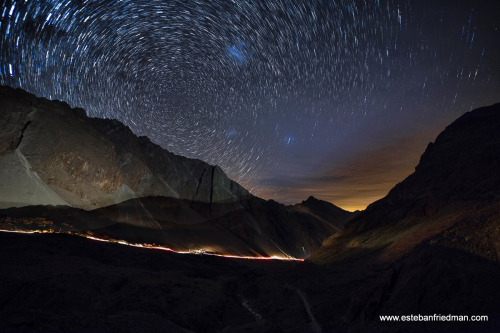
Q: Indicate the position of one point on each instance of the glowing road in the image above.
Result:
(156, 247)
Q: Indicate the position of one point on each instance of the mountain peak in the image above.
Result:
(324, 210)
(310, 200)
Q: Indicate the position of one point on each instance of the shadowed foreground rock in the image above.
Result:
(62, 283)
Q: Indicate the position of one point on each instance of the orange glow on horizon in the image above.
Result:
(358, 180)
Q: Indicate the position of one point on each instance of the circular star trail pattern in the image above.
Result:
(268, 90)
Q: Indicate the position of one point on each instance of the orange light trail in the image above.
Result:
(162, 248)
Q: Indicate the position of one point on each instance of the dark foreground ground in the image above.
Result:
(63, 283)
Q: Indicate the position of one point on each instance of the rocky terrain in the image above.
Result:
(452, 198)
(431, 246)
(64, 283)
(51, 154)
(251, 227)
(61, 156)
(433, 243)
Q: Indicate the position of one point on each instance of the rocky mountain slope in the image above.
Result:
(51, 154)
(431, 247)
(452, 197)
(249, 227)
(62, 156)
(253, 227)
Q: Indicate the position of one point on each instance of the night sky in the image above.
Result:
(336, 99)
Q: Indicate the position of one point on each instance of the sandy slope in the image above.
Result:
(21, 186)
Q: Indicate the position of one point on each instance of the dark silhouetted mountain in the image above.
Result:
(432, 245)
(328, 212)
(51, 154)
(455, 187)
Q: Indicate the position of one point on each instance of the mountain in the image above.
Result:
(454, 192)
(61, 283)
(250, 227)
(430, 248)
(60, 156)
(432, 245)
(326, 211)
(134, 190)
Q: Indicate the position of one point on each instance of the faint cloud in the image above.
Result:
(354, 183)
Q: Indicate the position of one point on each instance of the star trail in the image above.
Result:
(335, 99)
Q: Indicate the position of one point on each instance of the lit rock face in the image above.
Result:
(90, 163)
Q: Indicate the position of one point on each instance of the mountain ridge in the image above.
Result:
(40, 130)
(456, 179)
(54, 155)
